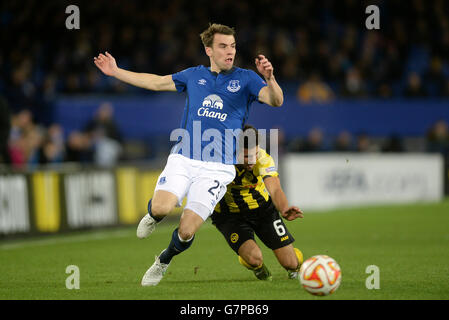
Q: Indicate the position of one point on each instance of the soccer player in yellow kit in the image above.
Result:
(254, 203)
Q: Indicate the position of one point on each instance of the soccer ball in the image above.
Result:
(320, 275)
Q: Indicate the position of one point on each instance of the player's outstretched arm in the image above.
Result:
(280, 201)
(106, 63)
(271, 94)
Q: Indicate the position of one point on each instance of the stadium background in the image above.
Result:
(347, 89)
(83, 151)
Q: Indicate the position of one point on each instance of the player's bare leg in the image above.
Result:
(189, 224)
(182, 238)
(162, 203)
(290, 258)
(250, 252)
(251, 257)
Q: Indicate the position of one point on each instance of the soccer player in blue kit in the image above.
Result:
(218, 97)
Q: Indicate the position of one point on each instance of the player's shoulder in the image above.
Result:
(264, 160)
(244, 72)
(263, 157)
(194, 69)
(250, 76)
(199, 69)
(265, 164)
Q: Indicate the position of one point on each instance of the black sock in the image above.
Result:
(158, 219)
(175, 247)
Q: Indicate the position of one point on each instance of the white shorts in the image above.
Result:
(204, 183)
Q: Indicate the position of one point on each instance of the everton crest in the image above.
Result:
(234, 86)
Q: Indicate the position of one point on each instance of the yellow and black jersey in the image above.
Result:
(247, 191)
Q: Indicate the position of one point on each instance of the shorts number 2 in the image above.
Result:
(213, 188)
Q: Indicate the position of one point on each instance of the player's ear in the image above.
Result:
(208, 51)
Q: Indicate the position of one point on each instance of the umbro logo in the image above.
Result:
(202, 82)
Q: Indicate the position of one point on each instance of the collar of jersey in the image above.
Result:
(223, 72)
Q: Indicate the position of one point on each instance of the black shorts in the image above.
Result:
(266, 223)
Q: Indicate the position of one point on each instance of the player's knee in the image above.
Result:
(159, 208)
(185, 233)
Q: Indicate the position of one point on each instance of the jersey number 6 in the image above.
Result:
(280, 230)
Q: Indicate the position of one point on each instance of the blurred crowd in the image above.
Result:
(321, 48)
(435, 141)
(24, 143)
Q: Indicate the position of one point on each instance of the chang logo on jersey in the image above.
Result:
(210, 104)
(213, 101)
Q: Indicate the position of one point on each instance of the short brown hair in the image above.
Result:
(207, 36)
(248, 141)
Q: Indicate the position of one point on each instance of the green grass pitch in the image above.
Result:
(409, 244)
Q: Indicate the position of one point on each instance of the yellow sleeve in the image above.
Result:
(265, 165)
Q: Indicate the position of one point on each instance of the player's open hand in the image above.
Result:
(264, 67)
(106, 63)
(292, 213)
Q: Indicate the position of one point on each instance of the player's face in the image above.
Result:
(250, 158)
(222, 53)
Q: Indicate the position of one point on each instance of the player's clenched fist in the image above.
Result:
(106, 63)
(264, 66)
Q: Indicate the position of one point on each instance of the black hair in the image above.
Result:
(250, 137)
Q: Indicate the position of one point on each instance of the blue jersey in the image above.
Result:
(217, 104)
